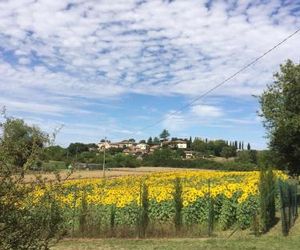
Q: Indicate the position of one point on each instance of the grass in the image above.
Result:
(271, 240)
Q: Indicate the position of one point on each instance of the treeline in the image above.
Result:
(218, 147)
(57, 157)
(245, 160)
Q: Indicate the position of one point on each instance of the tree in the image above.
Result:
(25, 224)
(142, 141)
(131, 140)
(77, 148)
(190, 142)
(164, 134)
(156, 141)
(248, 146)
(150, 141)
(228, 152)
(247, 156)
(54, 153)
(280, 108)
(19, 140)
(199, 145)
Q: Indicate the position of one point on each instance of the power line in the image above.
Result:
(221, 83)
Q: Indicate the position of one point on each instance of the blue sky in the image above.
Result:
(111, 68)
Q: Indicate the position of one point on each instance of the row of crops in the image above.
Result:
(160, 204)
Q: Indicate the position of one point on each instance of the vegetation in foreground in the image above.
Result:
(273, 240)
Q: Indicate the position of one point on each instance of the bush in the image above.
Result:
(121, 161)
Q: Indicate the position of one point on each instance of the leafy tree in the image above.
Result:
(162, 157)
(216, 146)
(150, 141)
(122, 160)
(19, 141)
(142, 141)
(248, 146)
(164, 134)
(34, 225)
(54, 153)
(156, 141)
(190, 142)
(131, 140)
(228, 152)
(77, 148)
(280, 108)
(199, 145)
(249, 156)
(92, 146)
(114, 151)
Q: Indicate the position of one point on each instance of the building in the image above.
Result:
(142, 146)
(189, 154)
(104, 145)
(180, 144)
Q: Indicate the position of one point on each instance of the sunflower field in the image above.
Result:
(192, 200)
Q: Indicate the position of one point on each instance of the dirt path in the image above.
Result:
(114, 172)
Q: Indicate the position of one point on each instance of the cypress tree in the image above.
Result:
(177, 197)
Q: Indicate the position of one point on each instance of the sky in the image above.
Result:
(113, 68)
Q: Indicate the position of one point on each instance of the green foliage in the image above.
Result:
(156, 141)
(32, 226)
(122, 160)
(228, 152)
(247, 156)
(21, 143)
(161, 157)
(246, 211)
(216, 148)
(164, 134)
(177, 197)
(83, 214)
(280, 108)
(77, 148)
(267, 199)
(288, 193)
(51, 166)
(227, 213)
(150, 141)
(144, 210)
(54, 153)
(170, 158)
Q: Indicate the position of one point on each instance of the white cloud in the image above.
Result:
(55, 54)
(206, 111)
(103, 49)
